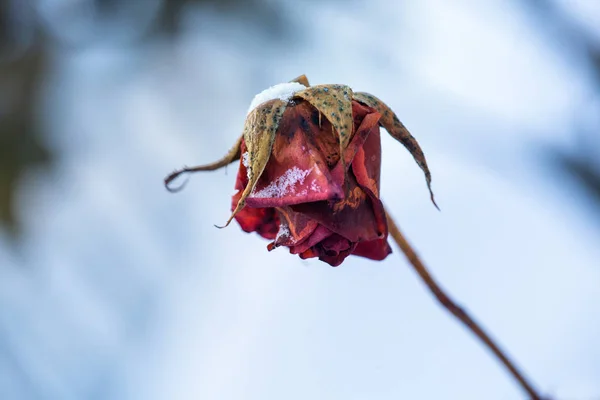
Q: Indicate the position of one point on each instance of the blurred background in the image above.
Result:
(112, 288)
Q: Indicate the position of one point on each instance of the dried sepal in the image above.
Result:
(232, 155)
(259, 134)
(302, 79)
(389, 120)
(335, 103)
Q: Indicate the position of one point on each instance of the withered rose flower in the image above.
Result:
(307, 199)
(309, 175)
(309, 180)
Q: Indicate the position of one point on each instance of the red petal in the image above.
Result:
(319, 234)
(264, 221)
(367, 127)
(375, 249)
(310, 253)
(298, 169)
(294, 228)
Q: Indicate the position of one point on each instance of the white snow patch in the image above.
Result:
(246, 162)
(281, 91)
(284, 184)
(313, 186)
(283, 233)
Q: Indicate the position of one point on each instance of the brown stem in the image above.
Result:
(231, 156)
(458, 312)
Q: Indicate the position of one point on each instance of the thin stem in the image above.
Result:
(457, 311)
(232, 155)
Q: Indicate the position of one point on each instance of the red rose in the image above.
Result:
(302, 201)
(309, 175)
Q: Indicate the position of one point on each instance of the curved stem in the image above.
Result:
(457, 311)
(232, 155)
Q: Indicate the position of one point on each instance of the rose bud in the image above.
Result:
(309, 175)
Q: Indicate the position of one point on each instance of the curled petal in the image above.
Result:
(335, 249)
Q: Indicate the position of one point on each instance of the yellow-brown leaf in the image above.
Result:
(335, 103)
(259, 134)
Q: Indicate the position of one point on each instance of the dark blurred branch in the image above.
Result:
(25, 35)
(571, 38)
(577, 45)
(265, 15)
(21, 70)
(583, 173)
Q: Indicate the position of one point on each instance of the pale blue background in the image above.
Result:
(123, 291)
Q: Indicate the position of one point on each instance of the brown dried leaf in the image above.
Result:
(335, 103)
(259, 134)
(392, 124)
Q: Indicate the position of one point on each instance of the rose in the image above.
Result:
(304, 198)
(309, 175)
(309, 180)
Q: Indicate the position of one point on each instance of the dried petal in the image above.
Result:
(392, 124)
(259, 135)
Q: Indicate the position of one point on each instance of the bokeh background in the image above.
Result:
(112, 288)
